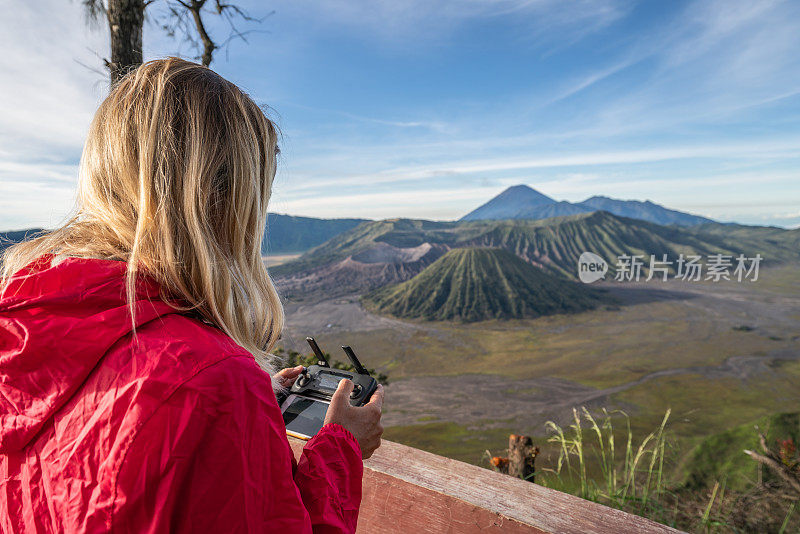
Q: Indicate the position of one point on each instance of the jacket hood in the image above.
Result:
(56, 324)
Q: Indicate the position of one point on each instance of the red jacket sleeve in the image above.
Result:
(215, 458)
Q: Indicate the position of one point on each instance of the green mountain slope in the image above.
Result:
(722, 455)
(775, 244)
(556, 244)
(476, 284)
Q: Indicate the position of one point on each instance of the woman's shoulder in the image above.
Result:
(177, 353)
(187, 338)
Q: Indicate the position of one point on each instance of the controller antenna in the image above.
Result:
(318, 352)
(357, 364)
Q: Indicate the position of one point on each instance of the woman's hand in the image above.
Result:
(364, 422)
(286, 377)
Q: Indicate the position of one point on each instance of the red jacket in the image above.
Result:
(177, 432)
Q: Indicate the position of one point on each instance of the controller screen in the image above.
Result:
(329, 381)
(305, 416)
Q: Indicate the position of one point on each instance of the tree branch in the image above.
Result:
(208, 45)
(773, 461)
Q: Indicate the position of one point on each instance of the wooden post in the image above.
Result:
(522, 457)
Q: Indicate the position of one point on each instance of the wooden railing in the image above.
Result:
(407, 490)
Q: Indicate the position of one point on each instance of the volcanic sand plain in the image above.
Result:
(718, 354)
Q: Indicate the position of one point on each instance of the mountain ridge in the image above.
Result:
(524, 202)
(554, 245)
(283, 234)
(11, 237)
(292, 233)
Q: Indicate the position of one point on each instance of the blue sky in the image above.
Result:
(427, 109)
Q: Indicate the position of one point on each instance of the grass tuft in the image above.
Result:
(634, 482)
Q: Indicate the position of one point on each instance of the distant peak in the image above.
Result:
(510, 203)
(522, 193)
(523, 189)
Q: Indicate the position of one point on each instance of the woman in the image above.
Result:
(134, 340)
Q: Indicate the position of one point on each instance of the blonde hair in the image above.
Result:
(175, 178)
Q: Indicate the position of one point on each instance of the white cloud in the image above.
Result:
(589, 80)
(410, 23)
(781, 149)
(47, 100)
(48, 97)
(26, 204)
(436, 126)
(424, 203)
(715, 63)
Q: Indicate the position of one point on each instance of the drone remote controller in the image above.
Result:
(307, 401)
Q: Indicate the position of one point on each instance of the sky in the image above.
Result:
(413, 108)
